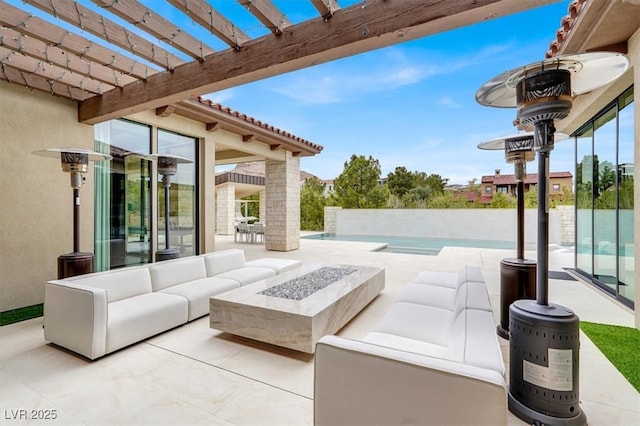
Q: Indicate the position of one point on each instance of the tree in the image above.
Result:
(312, 202)
(358, 185)
(400, 181)
(417, 197)
(434, 181)
(502, 201)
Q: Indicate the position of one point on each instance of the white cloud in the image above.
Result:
(220, 97)
(448, 102)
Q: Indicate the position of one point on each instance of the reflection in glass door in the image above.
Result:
(122, 196)
(584, 202)
(604, 199)
(605, 173)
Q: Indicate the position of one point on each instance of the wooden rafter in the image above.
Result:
(38, 49)
(207, 17)
(33, 26)
(34, 81)
(50, 72)
(268, 14)
(78, 15)
(142, 17)
(352, 30)
(326, 7)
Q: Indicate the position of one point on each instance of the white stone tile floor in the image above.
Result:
(195, 375)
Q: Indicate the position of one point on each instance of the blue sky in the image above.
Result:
(411, 105)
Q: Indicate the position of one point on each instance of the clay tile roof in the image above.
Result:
(531, 179)
(256, 122)
(566, 23)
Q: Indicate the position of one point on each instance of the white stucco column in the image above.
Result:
(282, 207)
(225, 208)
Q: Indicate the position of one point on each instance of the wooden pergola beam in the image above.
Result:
(38, 49)
(326, 7)
(51, 34)
(142, 17)
(50, 72)
(34, 81)
(208, 18)
(268, 14)
(98, 25)
(309, 43)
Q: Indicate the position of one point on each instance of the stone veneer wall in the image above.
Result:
(282, 209)
(263, 201)
(567, 219)
(330, 217)
(225, 208)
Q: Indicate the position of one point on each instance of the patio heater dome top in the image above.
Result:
(588, 72)
(501, 142)
(168, 163)
(55, 152)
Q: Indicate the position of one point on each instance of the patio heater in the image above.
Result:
(76, 162)
(544, 337)
(167, 167)
(517, 275)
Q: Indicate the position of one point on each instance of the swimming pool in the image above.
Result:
(415, 245)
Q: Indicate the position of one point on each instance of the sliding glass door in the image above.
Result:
(122, 195)
(605, 199)
(182, 195)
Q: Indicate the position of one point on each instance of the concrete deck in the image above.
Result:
(196, 375)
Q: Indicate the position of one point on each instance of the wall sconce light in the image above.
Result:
(76, 162)
(167, 166)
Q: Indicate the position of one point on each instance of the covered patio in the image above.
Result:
(196, 375)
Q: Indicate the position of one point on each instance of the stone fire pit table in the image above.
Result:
(295, 309)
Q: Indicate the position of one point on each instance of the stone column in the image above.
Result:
(225, 208)
(330, 218)
(263, 203)
(282, 207)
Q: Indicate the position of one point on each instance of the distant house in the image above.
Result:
(507, 184)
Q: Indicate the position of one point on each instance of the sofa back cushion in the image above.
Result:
(120, 283)
(172, 272)
(223, 261)
(474, 341)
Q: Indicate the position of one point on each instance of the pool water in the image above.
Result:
(414, 245)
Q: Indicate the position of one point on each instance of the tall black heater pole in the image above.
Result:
(167, 167)
(167, 186)
(517, 276)
(75, 161)
(544, 344)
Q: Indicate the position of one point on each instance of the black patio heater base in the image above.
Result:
(167, 254)
(517, 281)
(543, 363)
(76, 263)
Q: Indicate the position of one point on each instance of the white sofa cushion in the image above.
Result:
(172, 272)
(199, 291)
(119, 284)
(474, 339)
(248, 274)
(409, 345)
(420, 322)
(222, 261)
(278, 265)
(136, 318)
(444, 279)
(430, 295)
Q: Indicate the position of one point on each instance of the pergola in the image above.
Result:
(168, 66)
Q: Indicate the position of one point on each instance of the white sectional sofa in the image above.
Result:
(96, 314)
(433, 358)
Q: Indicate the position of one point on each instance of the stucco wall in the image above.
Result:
(476, 224)
(37, 200)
